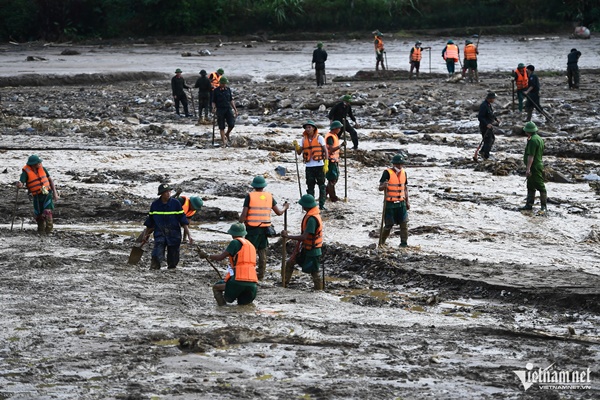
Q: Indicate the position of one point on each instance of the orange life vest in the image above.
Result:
(312, 149)
(378, 44)
(259, 209)
(314, 240)
(522, 81)
(334, 156)
(36, 179)
(470, 52)
(451, 52)
(214, 79)
(396, 190)
(416, 54)
(244, 263)
(187, 207)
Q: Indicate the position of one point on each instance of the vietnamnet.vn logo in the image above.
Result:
(551, 378)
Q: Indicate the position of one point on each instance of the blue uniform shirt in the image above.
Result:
(166, 219)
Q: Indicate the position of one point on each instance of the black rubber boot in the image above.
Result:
(219, 297)
(262, 264)
(385, 235)
(154, 263)
(530, 199)
(544, 200)
(403, 234)
(317, 281)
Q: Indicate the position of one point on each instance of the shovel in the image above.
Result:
(137, 250)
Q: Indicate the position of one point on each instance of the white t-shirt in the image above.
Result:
(311, 162)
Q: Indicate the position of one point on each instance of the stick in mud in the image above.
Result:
(283, 250)
(537, 107)
(210, 263)
(193, 105)
(382, 218)
(298, 173)
(214, 122)
(14, 213)
(345, 164)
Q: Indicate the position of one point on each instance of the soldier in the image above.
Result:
(225, 109)
(318, 61)
(177, 86)
(573, 68)
(394, 184)
(311, 240)
(332, 141)
(240, 281)
(534, 150)
(256, 215)
(487, 120)
(314, 155)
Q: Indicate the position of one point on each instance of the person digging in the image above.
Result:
(240, 281)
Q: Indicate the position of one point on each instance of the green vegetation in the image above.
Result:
(82, 19)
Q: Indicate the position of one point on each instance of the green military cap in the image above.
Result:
(178, 71)
(197, 202)
(398, 159)
(34, 159)
(258, 182)
(335, 125)
(237, 229)
(530, 127)
(307, 201)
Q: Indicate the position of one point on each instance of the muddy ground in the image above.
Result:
(481, 291)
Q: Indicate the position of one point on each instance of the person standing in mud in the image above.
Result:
(522, 81)
(394, 184)
(318, 62)
(204, 88)
(470, 61)
(314, 155)
(534, 150)
(487, 120)
(240, 282)
(177, 87)
(165, 219)
(225, 109)
(42, 191)
(256, 216)
(340, 112)
(532, 92)
(414, 58)
(214, 78)
(311, 240)
(573, 68)
(451, 55)
(190, 206)
(332, 141)
(379, 51)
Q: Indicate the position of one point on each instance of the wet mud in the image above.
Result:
(481, 291)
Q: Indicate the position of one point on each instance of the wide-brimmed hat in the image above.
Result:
(450, 41)
(521, 65)
(178, 71)
(335, 125)
(224, 80)
(530, 127)
(220, 71)
(237, 229)
(258, 182)
(347, 98)
(398, 159)
(490, 95)
(34, 159)
(308, 201)
(309, 122)
(197, 202)
(418, 42)
(163, 187)
(320, 44)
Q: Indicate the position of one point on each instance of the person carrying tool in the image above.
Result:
(340, 112)
(256, 216)
(214, 78)
(240, 281)
(532, 158)
(311, 241)
(332, 141)
(487, 120)
(41, 190)
(165, 219)
(315, 156)
(414, 58)
(204, 87)
(532, 93)
(451, 54)
(379, 50)
(318, 62)
(573, 68)
(177, 87)
(470, 62)
(394, 184)
(224, 107)
(521, 79)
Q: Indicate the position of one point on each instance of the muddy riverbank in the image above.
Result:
(482, 290)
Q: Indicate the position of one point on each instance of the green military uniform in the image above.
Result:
(244, 292)
(535, 180)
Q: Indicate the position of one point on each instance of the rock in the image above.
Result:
(132, 121)
(186, 54)
(410, 132)
(70, 52)
(285, 103)
(35, 58)
(322, 108)
(555, 176)
(591, 177)
(44, 109)
(427, 137)
(204, 52)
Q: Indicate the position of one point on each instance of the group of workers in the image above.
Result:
(213, 93)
